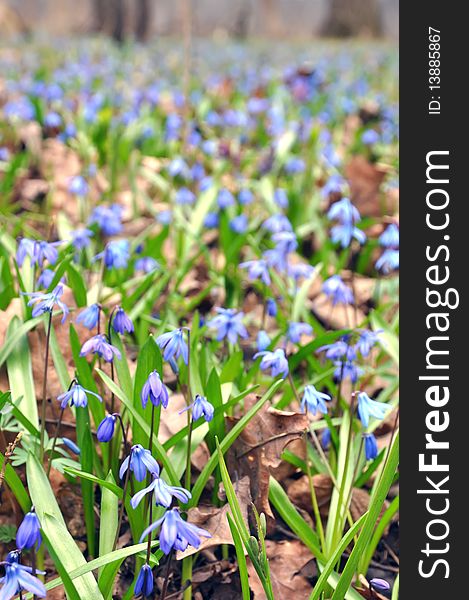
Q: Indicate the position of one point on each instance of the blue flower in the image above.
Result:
(81, 238)
(371, 447)
(271, 307)
(347, 370)
(295, 165)
(106, 428)
(263, 341)
(285, 241)
(162, 493)
(301, 270)
(38, 252)
(28, 533)
(121, 322)
(257, 269)
(99, 345)
(296, 330)
(344, 211)
(211, 220)
(370, 408)
(381, 585)
(176, 533)
(276, 361)
(178, 166)
(225, 198)
(345, 232)
(147, 264)
(18, 577)
(336, 290)
(144, 583)
(45, 302)
(370, 137)
(53, 120)
(78, 186)
(184, 196)
(155, 390)
(71, 445)
(89, 317)
(108, 219)
(140, 461)
(281, 198)
(390, 237)
(173, 344)
(45, 278)
(228, 324)
(326, 438)
(245, 196)
(337, 350)
(388, 261)
(367, 340)
(76, 396)
(277, 223)
(239, 224)
(25, 248)
(313, 400)
(200, 406)
(116, 254)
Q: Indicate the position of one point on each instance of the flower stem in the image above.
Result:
(166, 577)
(44, 391)
(188, 457)
(51, 456)
(187, 577)
(314, 499)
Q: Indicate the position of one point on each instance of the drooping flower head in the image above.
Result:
(45, 302)
(89, 317)
(275, 361)
(77, 395)
(106, 428)
(116, 254)
(162, 493)
(121, 322)
(140, 462)
(108, 219)
(174, 345)
(314, 401)
(367, 340)
(154, 390)
(229, 324)
(200, 406)
(99, 345)
(144, 583)
(257, 269)
(370, 408)
(19, 577)
(296, 330)
(81, 238)
(176, 533)
(371, 447)
(336, 290)
(29, 534)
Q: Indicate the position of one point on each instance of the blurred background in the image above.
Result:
(146, 19)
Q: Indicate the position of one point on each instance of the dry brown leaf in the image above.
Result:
(214, 519)
(365, 180)
(286, 560)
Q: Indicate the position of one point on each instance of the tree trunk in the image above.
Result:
(349, 18)
(142, 20)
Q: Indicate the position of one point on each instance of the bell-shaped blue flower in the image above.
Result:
(314, 401)
(154, 390)
(275, 361)
(370, 408)
(144, 583)
(141, 462)
(28, 534)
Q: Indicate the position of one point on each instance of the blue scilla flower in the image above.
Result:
(337, 350)
(4, 154)
(295, 165)
(116, 254)
(225, 198)
(19, 577)
(108, 219)
(144, 584)
(70, 444)
(45, 251)
(277, 223)
(146, 264)
(211, 220)
(164, 217)
(162, 492)
(380, 585)
(388, 261)
(45, 278)
(78, 186)
(175, 532)
(206, 183)
(275, 361)
(121, 322)
(245, 196)
(99, 345)
(26, 247)
(200, 407)
(271, 307)
(296, 330)
(106, 428)
(81, 238)
(77, 395)
(141, 462)
(314, 401)
(344, 211)
(154, 390)
(371, 447)
(370, 408)
(263, 341)
(184, 196)
(45, 302)
(257, 269)
(345, 232)
(347, 370)
(390, 237)
(239, 224)
(173, 345)
(337, 291)
(29, 534)
(178, 167)
(301, 271)
(52, 119)
(89, 317)
(326, 438)
(228, 324)
(285, 241)
(367, 339)
(370, 137)
(281, 198)
(333, 185)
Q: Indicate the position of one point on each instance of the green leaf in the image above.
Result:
(12, 340)
(85, 442)
(387, 338)
(16, 486)
(113, 487)
(107, 524)
(55, 529)
(242, 564)
(374, 510)
(75, 281)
